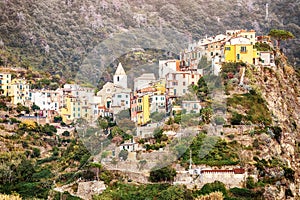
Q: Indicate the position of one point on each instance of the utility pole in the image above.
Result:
(190, 167)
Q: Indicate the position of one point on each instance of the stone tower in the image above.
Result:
(120, 77)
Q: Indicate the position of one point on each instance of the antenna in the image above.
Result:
(267, 12)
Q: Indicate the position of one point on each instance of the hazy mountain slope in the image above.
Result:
(58, 35)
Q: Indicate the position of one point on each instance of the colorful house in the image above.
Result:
(19, 91)
(240, 49)
(5, 79)
(143, 112)
(177, 83)
(140, 109)
(71, 109)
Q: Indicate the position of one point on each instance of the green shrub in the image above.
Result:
(35, 153)
(236, 118)
(162, 174)
(246, 193)
(212, 187)
(250, 184)
(289, 174)
(123, 154)
(219, 120)
(66, 133)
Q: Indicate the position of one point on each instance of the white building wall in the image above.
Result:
(158, 103)
(165, 67)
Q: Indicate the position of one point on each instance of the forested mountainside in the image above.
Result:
(56, 36)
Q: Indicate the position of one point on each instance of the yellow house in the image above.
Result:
(240, 49)
(5, 80)
(18, 90)
(160, 87)
(71, 109)
(143, 110)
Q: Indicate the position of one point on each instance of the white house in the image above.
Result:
(191, 106)
(51, 100)
(157, 103)
(267, 58)
(120, 101)
(143, 81)
(167, 66)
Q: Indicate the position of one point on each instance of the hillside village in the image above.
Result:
(151, 105)
(150, 94)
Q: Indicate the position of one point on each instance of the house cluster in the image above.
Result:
(72, 101)
(150, 94)
(233, 46)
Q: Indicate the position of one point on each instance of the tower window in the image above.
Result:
(118, 78)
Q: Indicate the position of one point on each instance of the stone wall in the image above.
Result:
(87, 189)
(229, 178)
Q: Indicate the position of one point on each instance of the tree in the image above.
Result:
(36, 153)
(280, 35)
(35, 107)
(57, 119)
(162, 174)
(123, 154)
(206, 114)
(213, 187)
(201, 89)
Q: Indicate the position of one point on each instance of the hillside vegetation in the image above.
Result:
(56, 36)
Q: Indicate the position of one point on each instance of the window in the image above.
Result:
(119, 96)
(162, 98)
(238, 56)
(183, 75)
(227, 48)
(183, 83)
(243, 49)
(118, 78)
(78, 109)
(211, 53)
(127, 102)
(183, 91)
(193, 76)
(174, 91)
